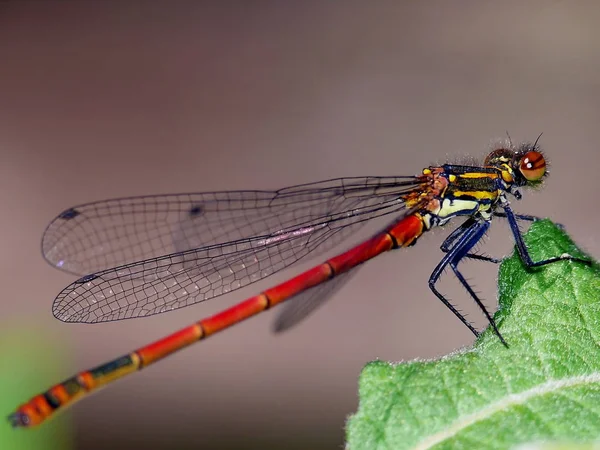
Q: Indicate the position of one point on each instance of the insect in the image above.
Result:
(141, 256)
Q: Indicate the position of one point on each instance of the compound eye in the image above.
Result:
(532, 166)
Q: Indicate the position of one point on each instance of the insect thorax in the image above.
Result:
(465, 194)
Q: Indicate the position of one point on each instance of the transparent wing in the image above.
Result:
(304, 304)
(147, 255)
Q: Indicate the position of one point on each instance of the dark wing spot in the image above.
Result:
(196, 210)
(87, 278)
(69, 214)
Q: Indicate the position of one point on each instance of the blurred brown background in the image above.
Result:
(103, 99)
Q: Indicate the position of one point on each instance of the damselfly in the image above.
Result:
(141, 256)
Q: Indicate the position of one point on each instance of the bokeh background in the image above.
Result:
(106, 98)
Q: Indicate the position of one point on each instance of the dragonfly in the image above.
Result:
(141, 256)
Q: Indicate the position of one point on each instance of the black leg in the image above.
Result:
(461, 241)
(525, 217)
(522, 248)
(456, 234)
(452, 237)
(477, 300)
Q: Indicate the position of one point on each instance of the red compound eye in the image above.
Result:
(532, 166)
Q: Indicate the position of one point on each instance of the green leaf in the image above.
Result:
(30, 360)
(546, 386)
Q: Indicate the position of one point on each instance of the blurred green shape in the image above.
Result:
(29, 363)
(546, 386)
